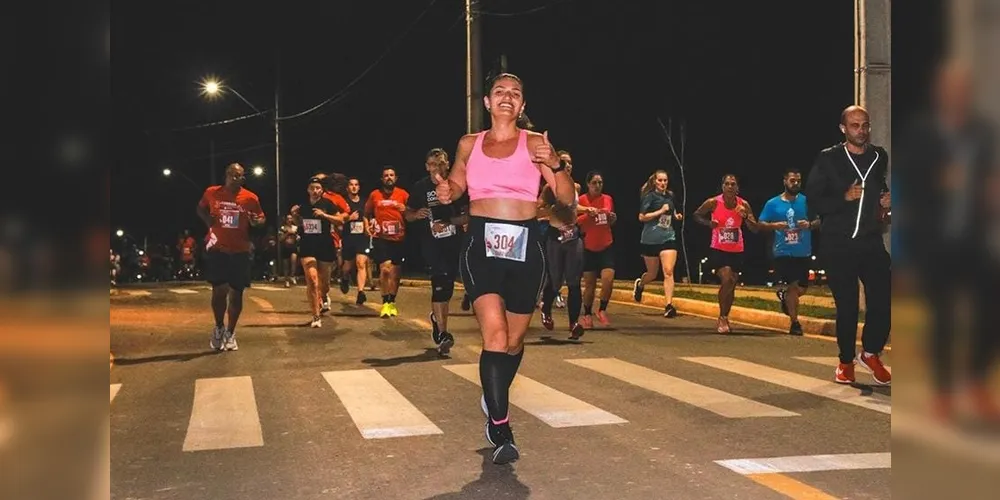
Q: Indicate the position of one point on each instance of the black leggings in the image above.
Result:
(565, 262)
(847, 261)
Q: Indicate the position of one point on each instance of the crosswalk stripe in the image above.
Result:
(815, 386)
(114, 391)
(268, 288)
(808, 463)
(139, 293)
(224, 415)
(377, 408)
(828, 361)
(553, 407)
(707, 398)
(182, 291)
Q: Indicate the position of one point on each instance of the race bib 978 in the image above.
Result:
(506, 241)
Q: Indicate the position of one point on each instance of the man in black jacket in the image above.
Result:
(847, 189)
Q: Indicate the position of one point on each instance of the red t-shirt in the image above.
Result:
(339, 202)
(597, 231)
(187, 249)
(230, 230)
(388, 211)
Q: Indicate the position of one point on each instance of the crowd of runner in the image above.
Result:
(505, 217)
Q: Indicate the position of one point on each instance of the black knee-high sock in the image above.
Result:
(513, 363)
(496, 387)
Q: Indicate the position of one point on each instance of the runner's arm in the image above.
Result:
(456, 176)
(703, 215)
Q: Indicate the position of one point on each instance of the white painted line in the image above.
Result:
(224, 415)
(377, 408)
(264, 305)
(815, 386)
(547, 404)
(808, 463)
(716, 401)
(268, 288)
(828, 361)
(139, 293)
(182, 291)
(114, 391)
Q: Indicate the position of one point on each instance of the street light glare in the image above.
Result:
(120, 233)
(211, 87)
(258, 171)
(166, 172)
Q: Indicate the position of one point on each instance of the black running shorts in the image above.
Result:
(504, 258)
(228, 268)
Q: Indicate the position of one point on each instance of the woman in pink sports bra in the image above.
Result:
(725, 214)
(502, 260)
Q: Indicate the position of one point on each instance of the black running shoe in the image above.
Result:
(494, 435)
(435, 329)
(637, 289)
(345, 285)
(466, 303)
(669, 311)
(506, 452)
(576, 331)
(796, 329)
(447, 342)
(361, 298)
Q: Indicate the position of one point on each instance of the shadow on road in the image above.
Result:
(181, 357)
(496, 481)
(429, 354)
(550, 340)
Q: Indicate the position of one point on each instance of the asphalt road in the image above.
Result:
(365, 408)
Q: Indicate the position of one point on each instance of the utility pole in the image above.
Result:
(211, 160)
(474, 68)
(277, 154)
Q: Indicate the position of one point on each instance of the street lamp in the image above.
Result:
(166, 172)
(258, 171)
(119, 233)
(701, 275)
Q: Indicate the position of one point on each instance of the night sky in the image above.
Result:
(758, 85)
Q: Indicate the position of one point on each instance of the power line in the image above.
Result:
(342, 93)
(212, 124)
(523, 12)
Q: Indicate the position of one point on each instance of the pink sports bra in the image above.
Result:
(514, 177)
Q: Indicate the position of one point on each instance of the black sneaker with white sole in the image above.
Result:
(796, 329)
(447, 342)
(781, 298)
(669, 311)
(637, 289)
(506, 451)
(435, 329)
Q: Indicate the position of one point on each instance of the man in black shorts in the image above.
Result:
(440, 241)
(384, 209)
(228, 211)
(355, 241)
(787, 215)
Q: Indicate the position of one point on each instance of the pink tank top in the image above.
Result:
(514, 177)
(728, 237)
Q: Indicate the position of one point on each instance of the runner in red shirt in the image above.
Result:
(385, 208)
(595, 221)
(228, 211)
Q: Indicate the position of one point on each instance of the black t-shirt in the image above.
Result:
(355, 228)
(315, 230)
(424, 195)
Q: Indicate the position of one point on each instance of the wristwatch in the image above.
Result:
(560, 168)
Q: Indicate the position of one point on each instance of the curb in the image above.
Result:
(753, 317)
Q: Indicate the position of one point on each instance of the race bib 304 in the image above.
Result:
(506, 241)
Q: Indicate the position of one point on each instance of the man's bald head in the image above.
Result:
(235, 176)
(853, 109)
(856, 127)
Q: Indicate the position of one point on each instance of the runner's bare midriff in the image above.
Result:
(503, 209)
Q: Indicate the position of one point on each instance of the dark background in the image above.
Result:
(758, 86)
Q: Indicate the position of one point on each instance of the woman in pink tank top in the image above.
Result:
(501, 260)
(725, 214)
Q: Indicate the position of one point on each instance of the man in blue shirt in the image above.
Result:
(787, 215)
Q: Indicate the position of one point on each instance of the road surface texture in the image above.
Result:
(365, 407)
